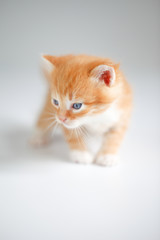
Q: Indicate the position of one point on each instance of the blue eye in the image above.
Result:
(55, 102)
(77, 105)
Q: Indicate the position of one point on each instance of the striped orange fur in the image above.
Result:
(98, 85)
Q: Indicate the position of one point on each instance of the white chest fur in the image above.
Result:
(102, 122)
(98, 124)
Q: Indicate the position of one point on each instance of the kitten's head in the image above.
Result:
(80, 86)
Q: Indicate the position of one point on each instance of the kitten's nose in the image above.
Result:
(62, 118)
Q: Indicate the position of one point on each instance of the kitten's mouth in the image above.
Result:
(69, 124)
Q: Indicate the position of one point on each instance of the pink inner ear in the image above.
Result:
(106, 77)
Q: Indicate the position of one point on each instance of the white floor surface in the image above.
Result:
(43, 196)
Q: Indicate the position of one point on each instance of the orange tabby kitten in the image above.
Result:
(89, 98)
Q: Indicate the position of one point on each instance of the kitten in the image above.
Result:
(88, 96)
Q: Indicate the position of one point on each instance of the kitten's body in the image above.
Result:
(99, 87)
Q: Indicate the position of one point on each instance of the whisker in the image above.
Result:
(85, 131)
(80, 134)
(77, 135)
(83, 135)
(50, 113)
(46, 119)
(50, 109)
(54, 129)
(50, 125)
(70, 133)
(80, 140)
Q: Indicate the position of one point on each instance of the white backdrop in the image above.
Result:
(42, 194)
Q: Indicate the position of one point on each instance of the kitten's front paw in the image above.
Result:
(107, 160)
(83, 157)
(39, 139)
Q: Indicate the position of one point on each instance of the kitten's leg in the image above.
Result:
(107, 156)
(78, 148)
(45, 124)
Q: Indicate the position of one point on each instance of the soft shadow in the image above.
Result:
(16, 148)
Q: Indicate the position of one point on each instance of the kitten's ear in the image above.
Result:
(48, 63)
(104, 73)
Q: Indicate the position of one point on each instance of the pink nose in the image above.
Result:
(62, 118)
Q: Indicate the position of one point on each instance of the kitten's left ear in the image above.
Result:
(104, 73)
(48, 63)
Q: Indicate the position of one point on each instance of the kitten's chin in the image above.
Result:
(71, 126)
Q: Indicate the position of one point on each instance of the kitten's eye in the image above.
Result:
(55, 102)
(77, 105)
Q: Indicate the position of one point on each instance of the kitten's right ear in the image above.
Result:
(104, 73)
(48, 63)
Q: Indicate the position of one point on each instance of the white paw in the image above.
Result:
(81, 157)
(107, 160)
(39, 139)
